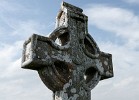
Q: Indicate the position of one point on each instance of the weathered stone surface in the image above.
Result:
(73, 67)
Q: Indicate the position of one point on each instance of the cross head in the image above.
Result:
(69, 62)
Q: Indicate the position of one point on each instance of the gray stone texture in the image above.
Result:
(69, 61)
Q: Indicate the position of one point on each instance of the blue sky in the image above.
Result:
(114, 24)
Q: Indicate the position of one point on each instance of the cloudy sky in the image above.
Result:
(114, 24)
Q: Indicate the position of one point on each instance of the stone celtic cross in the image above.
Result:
(72, 67)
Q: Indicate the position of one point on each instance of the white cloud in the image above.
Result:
(121, 22)
(26, 28)
(124, 84)
(12, 25)
(124, 24)
(16, 83)
(9, 52)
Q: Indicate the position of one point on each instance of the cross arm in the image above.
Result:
(106, 61)
(37, 51)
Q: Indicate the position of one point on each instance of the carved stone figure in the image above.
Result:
(69, 61)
